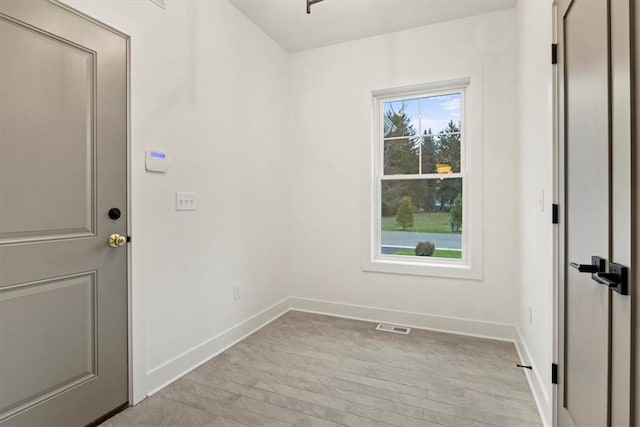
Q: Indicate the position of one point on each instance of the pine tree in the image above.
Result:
(456, 212)
(404, 217)
(449, 146)
(448, 153)
(400, 157)
(424, 192)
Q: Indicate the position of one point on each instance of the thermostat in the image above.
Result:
(156, 161)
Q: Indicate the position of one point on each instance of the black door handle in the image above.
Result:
(617, 278)
(597, 265)
(607, 279)
(585, 268)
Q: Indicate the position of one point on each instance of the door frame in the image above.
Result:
(556, 195)
(135, 368)
(559, 197)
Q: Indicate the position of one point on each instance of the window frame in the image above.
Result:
(470, 266)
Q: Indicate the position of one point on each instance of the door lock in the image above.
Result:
(116, 240)
(114, 213)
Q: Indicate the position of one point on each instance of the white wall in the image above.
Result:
(330, 129)
(280, 205)
(210, 88)
(535, 90)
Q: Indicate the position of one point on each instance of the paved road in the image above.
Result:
(411, 239)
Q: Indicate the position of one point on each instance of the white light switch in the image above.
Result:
(185, 201)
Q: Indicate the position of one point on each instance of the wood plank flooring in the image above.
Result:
(311, 370)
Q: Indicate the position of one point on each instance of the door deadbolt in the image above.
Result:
(116, 240)
(114, 213)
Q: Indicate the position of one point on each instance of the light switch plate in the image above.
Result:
(185, 201)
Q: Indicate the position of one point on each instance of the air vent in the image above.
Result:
(393, 328)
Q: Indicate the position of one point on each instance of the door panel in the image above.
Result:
(587, 209)
(63, 325)
(52, 82)
(585, 349)
(63, 142)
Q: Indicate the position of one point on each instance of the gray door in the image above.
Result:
(593, 96)
(63, 156)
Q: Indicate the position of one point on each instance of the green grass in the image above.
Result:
(428, 222)
(438, 253)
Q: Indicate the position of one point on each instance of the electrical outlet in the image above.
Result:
(236, 291)
(530, 314)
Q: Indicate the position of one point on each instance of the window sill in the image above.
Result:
(433, 268)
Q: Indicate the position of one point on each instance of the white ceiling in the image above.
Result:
(336, 21)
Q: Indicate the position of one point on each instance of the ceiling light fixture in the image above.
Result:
(310, 3)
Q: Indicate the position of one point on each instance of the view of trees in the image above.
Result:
(402, 156)
(404, 217)
(456, 212)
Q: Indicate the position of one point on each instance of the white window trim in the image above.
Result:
(470, 267)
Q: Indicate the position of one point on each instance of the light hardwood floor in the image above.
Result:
(311, 370)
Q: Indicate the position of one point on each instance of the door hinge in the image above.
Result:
(554, 214)
(554, 373)
(554, 53)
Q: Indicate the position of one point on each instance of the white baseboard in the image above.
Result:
(182, 364)
(454, 325)
(535, 382)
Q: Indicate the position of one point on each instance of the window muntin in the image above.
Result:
(421, 177)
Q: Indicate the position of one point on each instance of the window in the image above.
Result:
(420, 182)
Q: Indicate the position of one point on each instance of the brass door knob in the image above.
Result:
(116, 240)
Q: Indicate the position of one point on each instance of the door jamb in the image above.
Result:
(559, 159)
(555, 197)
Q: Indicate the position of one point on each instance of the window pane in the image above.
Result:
(415, 211)
(441, 113)
(440, 153)
(401, 156)
(401, 118)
